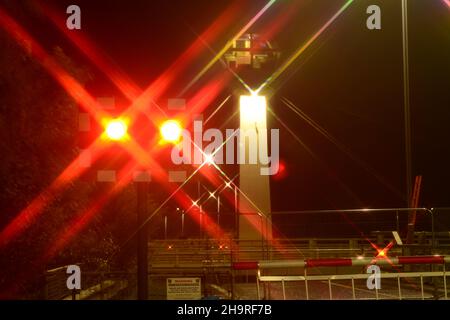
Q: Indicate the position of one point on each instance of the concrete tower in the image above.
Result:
(254, 198)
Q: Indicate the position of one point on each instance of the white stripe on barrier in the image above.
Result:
(281, 264)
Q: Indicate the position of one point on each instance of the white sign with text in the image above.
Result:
(184, 289)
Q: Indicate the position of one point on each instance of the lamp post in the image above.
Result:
(218, 210)
(165, 227)
(182, 221)
(406, 96)
(142, 246)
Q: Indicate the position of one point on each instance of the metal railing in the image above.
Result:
(94, 285)
(199, 253)
(330, 280)
(395, 268)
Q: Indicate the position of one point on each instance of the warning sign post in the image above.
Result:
(184, 289)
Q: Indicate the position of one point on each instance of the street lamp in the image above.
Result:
(165, 227)
(182, 221)
(407, 97)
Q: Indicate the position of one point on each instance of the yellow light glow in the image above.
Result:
(116, 129)
(171, 131)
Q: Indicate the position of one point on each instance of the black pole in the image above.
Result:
(407, 111)
(142, 241)
(236, 213)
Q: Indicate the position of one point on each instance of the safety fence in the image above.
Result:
(94, 285)
(398, 281)
(202, 253)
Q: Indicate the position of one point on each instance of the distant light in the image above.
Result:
(228, 185)
(212, 194)
(282, 171)
(195, 203)
(209, 159)
(116, 129)
(360, 257)
(381, 253)
(171, 131)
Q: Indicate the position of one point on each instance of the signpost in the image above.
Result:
(184, 289)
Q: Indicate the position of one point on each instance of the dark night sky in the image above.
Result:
(349, 82)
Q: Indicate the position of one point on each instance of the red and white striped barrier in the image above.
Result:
(348, 262)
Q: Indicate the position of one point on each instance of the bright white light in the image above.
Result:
(195, 203)
(116, 129)
(209, 159)
(228, 185)
(212, 195)
(253, 108)
(171, 131)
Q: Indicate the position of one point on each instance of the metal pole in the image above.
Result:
(353, 289)
(329, 288)
(218, 210)
(406, 96)
(165, 227)
(142, 245)
(258, 294)
(433, 235)
(445, 283)
(421, 287)
(306, 284)
(201, 221)
(236, 212)
(182, 223)
(398, 222)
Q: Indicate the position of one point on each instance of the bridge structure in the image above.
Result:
(308, 268)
